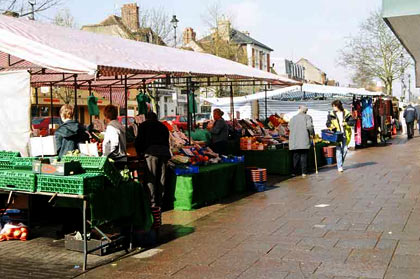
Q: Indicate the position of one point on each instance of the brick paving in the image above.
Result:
(368, 227)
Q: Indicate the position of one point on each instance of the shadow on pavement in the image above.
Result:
(361, 165)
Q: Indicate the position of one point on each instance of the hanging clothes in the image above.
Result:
(92, 103)
(357, 115)
(368, 122)
(142, 101)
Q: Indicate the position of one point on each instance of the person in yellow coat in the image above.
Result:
(341, 120)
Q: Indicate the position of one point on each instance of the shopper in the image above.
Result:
(153, 142)
(340, 120)
(219, 132)
(70, 133)
(301, 129)
(410, 115)
(115, 143)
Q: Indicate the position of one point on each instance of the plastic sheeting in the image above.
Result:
(15, 105)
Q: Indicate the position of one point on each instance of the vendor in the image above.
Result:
(219, 132)
(114, 144)
(200, 134)
(70, 133)
(153, 142)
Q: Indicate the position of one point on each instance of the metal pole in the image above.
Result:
(265, 102)
(126, 104)
(110, 95)
(76, 109)
(32, 10)
(232, 105)
(36, 101)
(188, 110)
(51, 106)
(90, 94)
(175, 37)
(85, 249)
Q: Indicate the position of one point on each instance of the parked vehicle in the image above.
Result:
(44, 122)
(179, 120)
(122, 119)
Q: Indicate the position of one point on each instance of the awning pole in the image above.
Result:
(36, 101)
(51, 106)
(110, 95)
(188, 110)
(126, 104)
(76, 109)
(232, 106)
(90, 94)
(265, 88)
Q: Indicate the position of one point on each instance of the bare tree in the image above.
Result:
(65, 94)
(24, 8)
(159, 21)
(64, 18)
(214, 13)
(375, 53)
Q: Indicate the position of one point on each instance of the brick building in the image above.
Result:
(127, 26)
(235, 45)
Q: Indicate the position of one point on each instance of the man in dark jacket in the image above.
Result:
(70, 133)
(153, 141)
(410, 115)
(301, 130)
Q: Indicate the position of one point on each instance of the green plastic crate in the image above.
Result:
(99, 165)
(6, 164)
(9, 154)
(18, 180)
(23, 163)
(80, 184)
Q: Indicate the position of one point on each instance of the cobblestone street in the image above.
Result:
(360, 224)
(363, 223)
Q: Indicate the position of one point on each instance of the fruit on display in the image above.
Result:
(14, 232)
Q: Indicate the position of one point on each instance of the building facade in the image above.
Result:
(127, 26)
(312, 73)
(288, 68)
(227, 42)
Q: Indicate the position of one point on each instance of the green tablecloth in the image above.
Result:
(280, 161)
(211, 184)
(125, 204)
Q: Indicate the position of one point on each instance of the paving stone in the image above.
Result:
(408, 248)
(402, 273)
(352, 269)
(356, 243)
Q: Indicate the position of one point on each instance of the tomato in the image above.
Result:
(24, 229)
(24, 236)
(16, 234)
(9, 232)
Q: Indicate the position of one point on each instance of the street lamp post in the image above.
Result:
(402, 79)
(32, 3)
(174, 22)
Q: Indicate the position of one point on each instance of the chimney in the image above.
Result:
(188, 35)
(223, 29)
(130, 16)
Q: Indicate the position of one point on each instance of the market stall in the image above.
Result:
(67, 58)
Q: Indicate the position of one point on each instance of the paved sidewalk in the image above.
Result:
(364, 223)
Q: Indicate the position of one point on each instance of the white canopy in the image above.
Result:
(310, 88)
(74, 51)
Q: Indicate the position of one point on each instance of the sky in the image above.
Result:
(312, 29)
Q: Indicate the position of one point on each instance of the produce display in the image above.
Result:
(14, 232)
